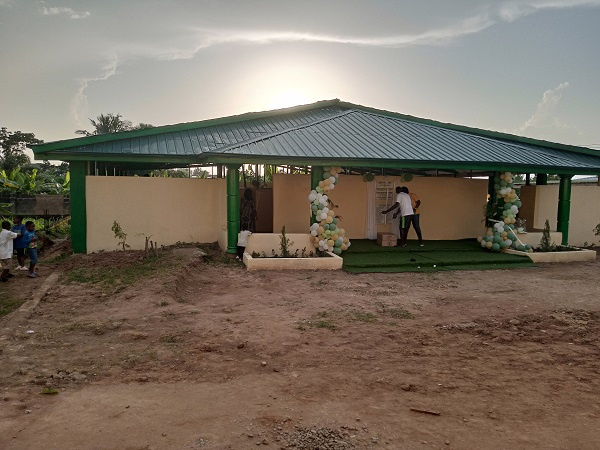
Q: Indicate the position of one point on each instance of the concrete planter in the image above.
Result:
(333, 262)
(557, 257)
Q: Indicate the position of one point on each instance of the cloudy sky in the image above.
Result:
(529, 67)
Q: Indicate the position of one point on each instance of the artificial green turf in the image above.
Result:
(367, 256)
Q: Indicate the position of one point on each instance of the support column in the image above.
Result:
(491, 190)
(233, 207)
(78, 171)
(528, 179)
(541, 179)
(564, 207)
(316, 175)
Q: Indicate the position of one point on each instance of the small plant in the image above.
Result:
(296, 253)
(149, 246)
(273, 254)
(284, 244)
(120, 235)
(597, 230)
(255, 254)
(546, 242)
(304, 252)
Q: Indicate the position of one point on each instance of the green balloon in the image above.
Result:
(338, 242)
(337, 250)
(496, 247)
(335, 220)
(507, 206)
(502, 183)
(518, 204)
(314, 208)
(326, 226)
(326, 175)
(497, 239)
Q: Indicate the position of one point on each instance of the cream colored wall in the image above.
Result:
(451, 208)
(291, 207)
(169, 209)
(585, 211)
(444, 200)
(290, 203)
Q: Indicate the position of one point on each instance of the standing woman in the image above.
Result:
(248, 212)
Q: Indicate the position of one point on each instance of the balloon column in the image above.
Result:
(502, 235)
(326, 235)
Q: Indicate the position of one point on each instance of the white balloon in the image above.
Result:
(325, 210)
(508, 241)
(332, 180)
(483, 242)
(323, 216)
(331, 186)
(313, 232)
(514, 209)
(312, 197)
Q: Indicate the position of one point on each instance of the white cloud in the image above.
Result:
(544, 118)
(79, 103)
(194, 40)
(66, 11)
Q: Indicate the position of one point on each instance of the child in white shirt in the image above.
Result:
(242, 241)
(6, 250)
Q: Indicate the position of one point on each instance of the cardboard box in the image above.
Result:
(386, 239)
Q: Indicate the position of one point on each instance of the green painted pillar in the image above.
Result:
(316, 175)
(233, 207)
(491, 190)
(564, 207)
(78, 171)
(541, 179)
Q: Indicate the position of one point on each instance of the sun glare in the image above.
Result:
(288, 98)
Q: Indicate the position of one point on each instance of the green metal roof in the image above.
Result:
(330, 132)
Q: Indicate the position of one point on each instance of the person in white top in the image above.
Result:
(6, 250)
(406, 212)
(242, 240)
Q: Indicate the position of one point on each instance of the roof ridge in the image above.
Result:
(279, 132)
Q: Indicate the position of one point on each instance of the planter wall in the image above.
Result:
(534, 237)
(333, 262)
(557, 257)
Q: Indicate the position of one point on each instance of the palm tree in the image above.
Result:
(111, 123)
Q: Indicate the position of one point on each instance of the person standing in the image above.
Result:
(18, 244)
(242, 241)
(416, 203)
(248, 211)
(30, 239)
(405, 210)
(6, 250)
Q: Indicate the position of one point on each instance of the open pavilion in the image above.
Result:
(448, 164)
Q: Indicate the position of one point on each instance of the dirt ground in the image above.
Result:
(201, 354)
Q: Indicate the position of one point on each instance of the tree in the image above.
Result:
(111, 123)
(12, 148)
